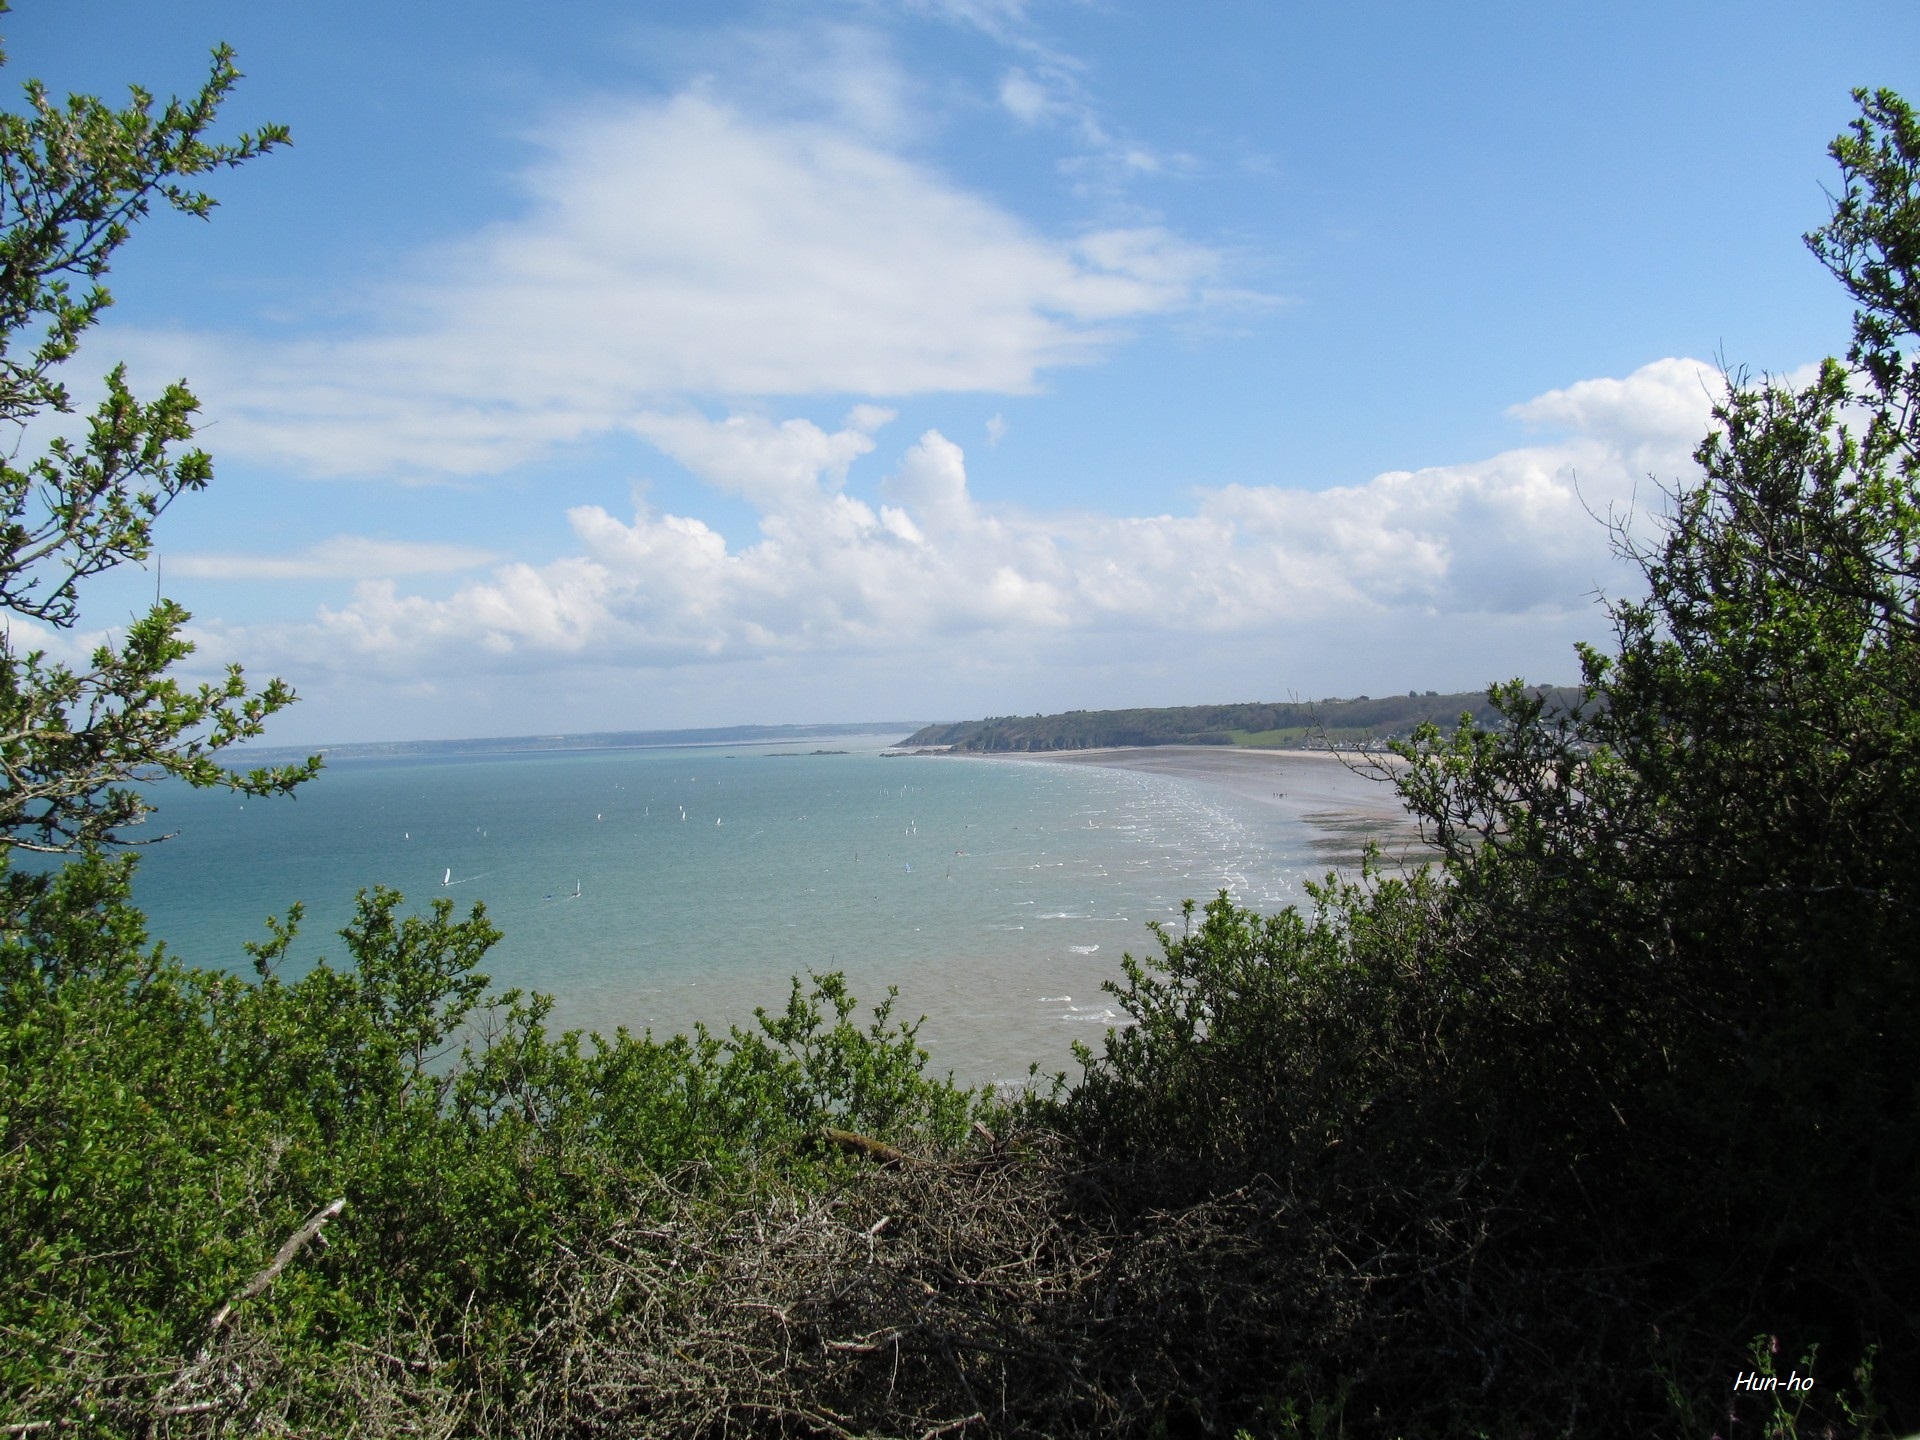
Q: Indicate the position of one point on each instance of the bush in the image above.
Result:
(1635, 1083)
(166, 1129)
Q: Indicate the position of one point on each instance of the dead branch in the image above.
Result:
(296, 1242)
(954, 1427)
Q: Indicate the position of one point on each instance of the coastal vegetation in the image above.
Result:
(1287, 725)
(1611, 1111)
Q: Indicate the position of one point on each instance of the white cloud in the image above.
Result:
(1026, 99)
(351, 557)
(72, 648)
(676, 249)
(1001, 20)
(1658, 407)
(1051, 94)
(778, 468)
(844, 75)
(925, 570)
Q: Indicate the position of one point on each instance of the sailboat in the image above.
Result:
(447, 879)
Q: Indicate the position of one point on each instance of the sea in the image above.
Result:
(654, 888)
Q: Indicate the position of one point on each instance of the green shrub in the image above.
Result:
(1635, 1082)
(165, 1129)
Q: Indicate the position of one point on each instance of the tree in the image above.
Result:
(1624, 1104)
(74, 180)
(1699, 882)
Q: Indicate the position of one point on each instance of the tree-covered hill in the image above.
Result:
(1291, 725)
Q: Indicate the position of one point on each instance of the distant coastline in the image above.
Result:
(1359, 721)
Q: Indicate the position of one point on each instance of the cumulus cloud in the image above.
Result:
(676, 249)
(1659, 408)
(924, 568)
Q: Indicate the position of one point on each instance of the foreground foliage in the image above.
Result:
(166, 1128)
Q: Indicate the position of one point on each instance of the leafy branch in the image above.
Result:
(75, 177)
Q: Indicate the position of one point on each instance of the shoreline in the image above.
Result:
(1255, 754)
(1343, 806)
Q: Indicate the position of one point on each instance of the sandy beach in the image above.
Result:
(1343, 798)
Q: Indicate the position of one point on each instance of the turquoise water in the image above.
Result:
(995, 895)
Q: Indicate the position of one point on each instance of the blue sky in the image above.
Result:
(597, 365)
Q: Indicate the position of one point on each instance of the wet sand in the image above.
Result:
(1344, 799)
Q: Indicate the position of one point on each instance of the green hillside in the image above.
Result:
(1285, 725)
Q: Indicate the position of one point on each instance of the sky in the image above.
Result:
(593, 366)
